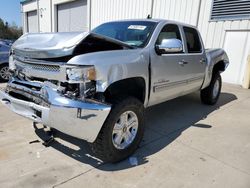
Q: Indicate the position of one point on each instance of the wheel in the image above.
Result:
(4, 72)
(210, 95)
(122, 131)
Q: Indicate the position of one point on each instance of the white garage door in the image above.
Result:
(72, 16)
(32, 22)
(237, 46)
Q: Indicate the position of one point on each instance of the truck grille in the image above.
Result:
(42, 67)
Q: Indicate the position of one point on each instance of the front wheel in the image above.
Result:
(122, 131)
(4, 72)
(210, 95)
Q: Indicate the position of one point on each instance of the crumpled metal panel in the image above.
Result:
(47, 45)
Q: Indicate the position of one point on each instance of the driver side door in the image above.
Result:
(168, 75)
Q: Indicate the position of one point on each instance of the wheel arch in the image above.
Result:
(220, 66)
(3, 63)
(134, 86)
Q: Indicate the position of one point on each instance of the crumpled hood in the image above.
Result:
(54, 45)
(44, 45)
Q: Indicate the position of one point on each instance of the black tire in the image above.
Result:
(3, 69)
(207, 96)
(103, 147)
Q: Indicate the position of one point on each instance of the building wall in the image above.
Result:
(195, 12)
(186, 11)
(44, 15)
(180, 10)
(222, 34)
(213, 33)
(27, 7)
(108, 10)
(54, 4)
(47, 13)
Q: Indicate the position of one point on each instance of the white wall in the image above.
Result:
(180, 10)
(30, 6)
(213, 33)
(44, 14)
(108, 10)
(218, 34)
(186, 11)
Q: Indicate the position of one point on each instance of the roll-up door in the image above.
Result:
(72, 16)
(32, 22)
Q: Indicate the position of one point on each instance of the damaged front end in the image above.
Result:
(48, 104)
(47, 90)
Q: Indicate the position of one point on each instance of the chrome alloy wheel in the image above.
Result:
(125, 130)
(4, 73)
(216, 88)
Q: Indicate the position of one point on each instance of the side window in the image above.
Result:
(170, 31)
(193, 40)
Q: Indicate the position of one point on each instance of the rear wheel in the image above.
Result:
(121, 132)
(4, 72)
(210, 95)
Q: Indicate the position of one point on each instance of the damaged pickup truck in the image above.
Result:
(95, 86)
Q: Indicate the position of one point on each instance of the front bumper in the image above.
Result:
(81, 119)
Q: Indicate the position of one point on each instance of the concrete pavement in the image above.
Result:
(186, 144)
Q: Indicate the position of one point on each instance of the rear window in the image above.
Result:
(192, 40)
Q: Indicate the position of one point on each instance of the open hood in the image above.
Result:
(55, 45)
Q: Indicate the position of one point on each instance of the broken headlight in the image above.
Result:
(12, 65)
(79, 74)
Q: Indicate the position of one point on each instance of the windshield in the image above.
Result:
(133, 33)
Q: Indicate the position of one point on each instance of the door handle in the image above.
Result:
(202, 61)
(182, 63)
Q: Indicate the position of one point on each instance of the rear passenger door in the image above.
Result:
(195, 58)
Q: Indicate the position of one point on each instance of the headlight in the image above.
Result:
(77, 74)
(12, 65)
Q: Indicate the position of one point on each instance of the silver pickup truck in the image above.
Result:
(95, 86)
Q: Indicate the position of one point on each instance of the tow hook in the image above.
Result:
(48, 142)
(50, 134)
(51, 138)
(6, 101)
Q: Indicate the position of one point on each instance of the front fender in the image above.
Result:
(113, 66)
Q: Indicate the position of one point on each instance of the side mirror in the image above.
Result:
(169, 46)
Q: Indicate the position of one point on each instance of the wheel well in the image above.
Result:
(130, 87)
(3, 64)
(219, 67)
